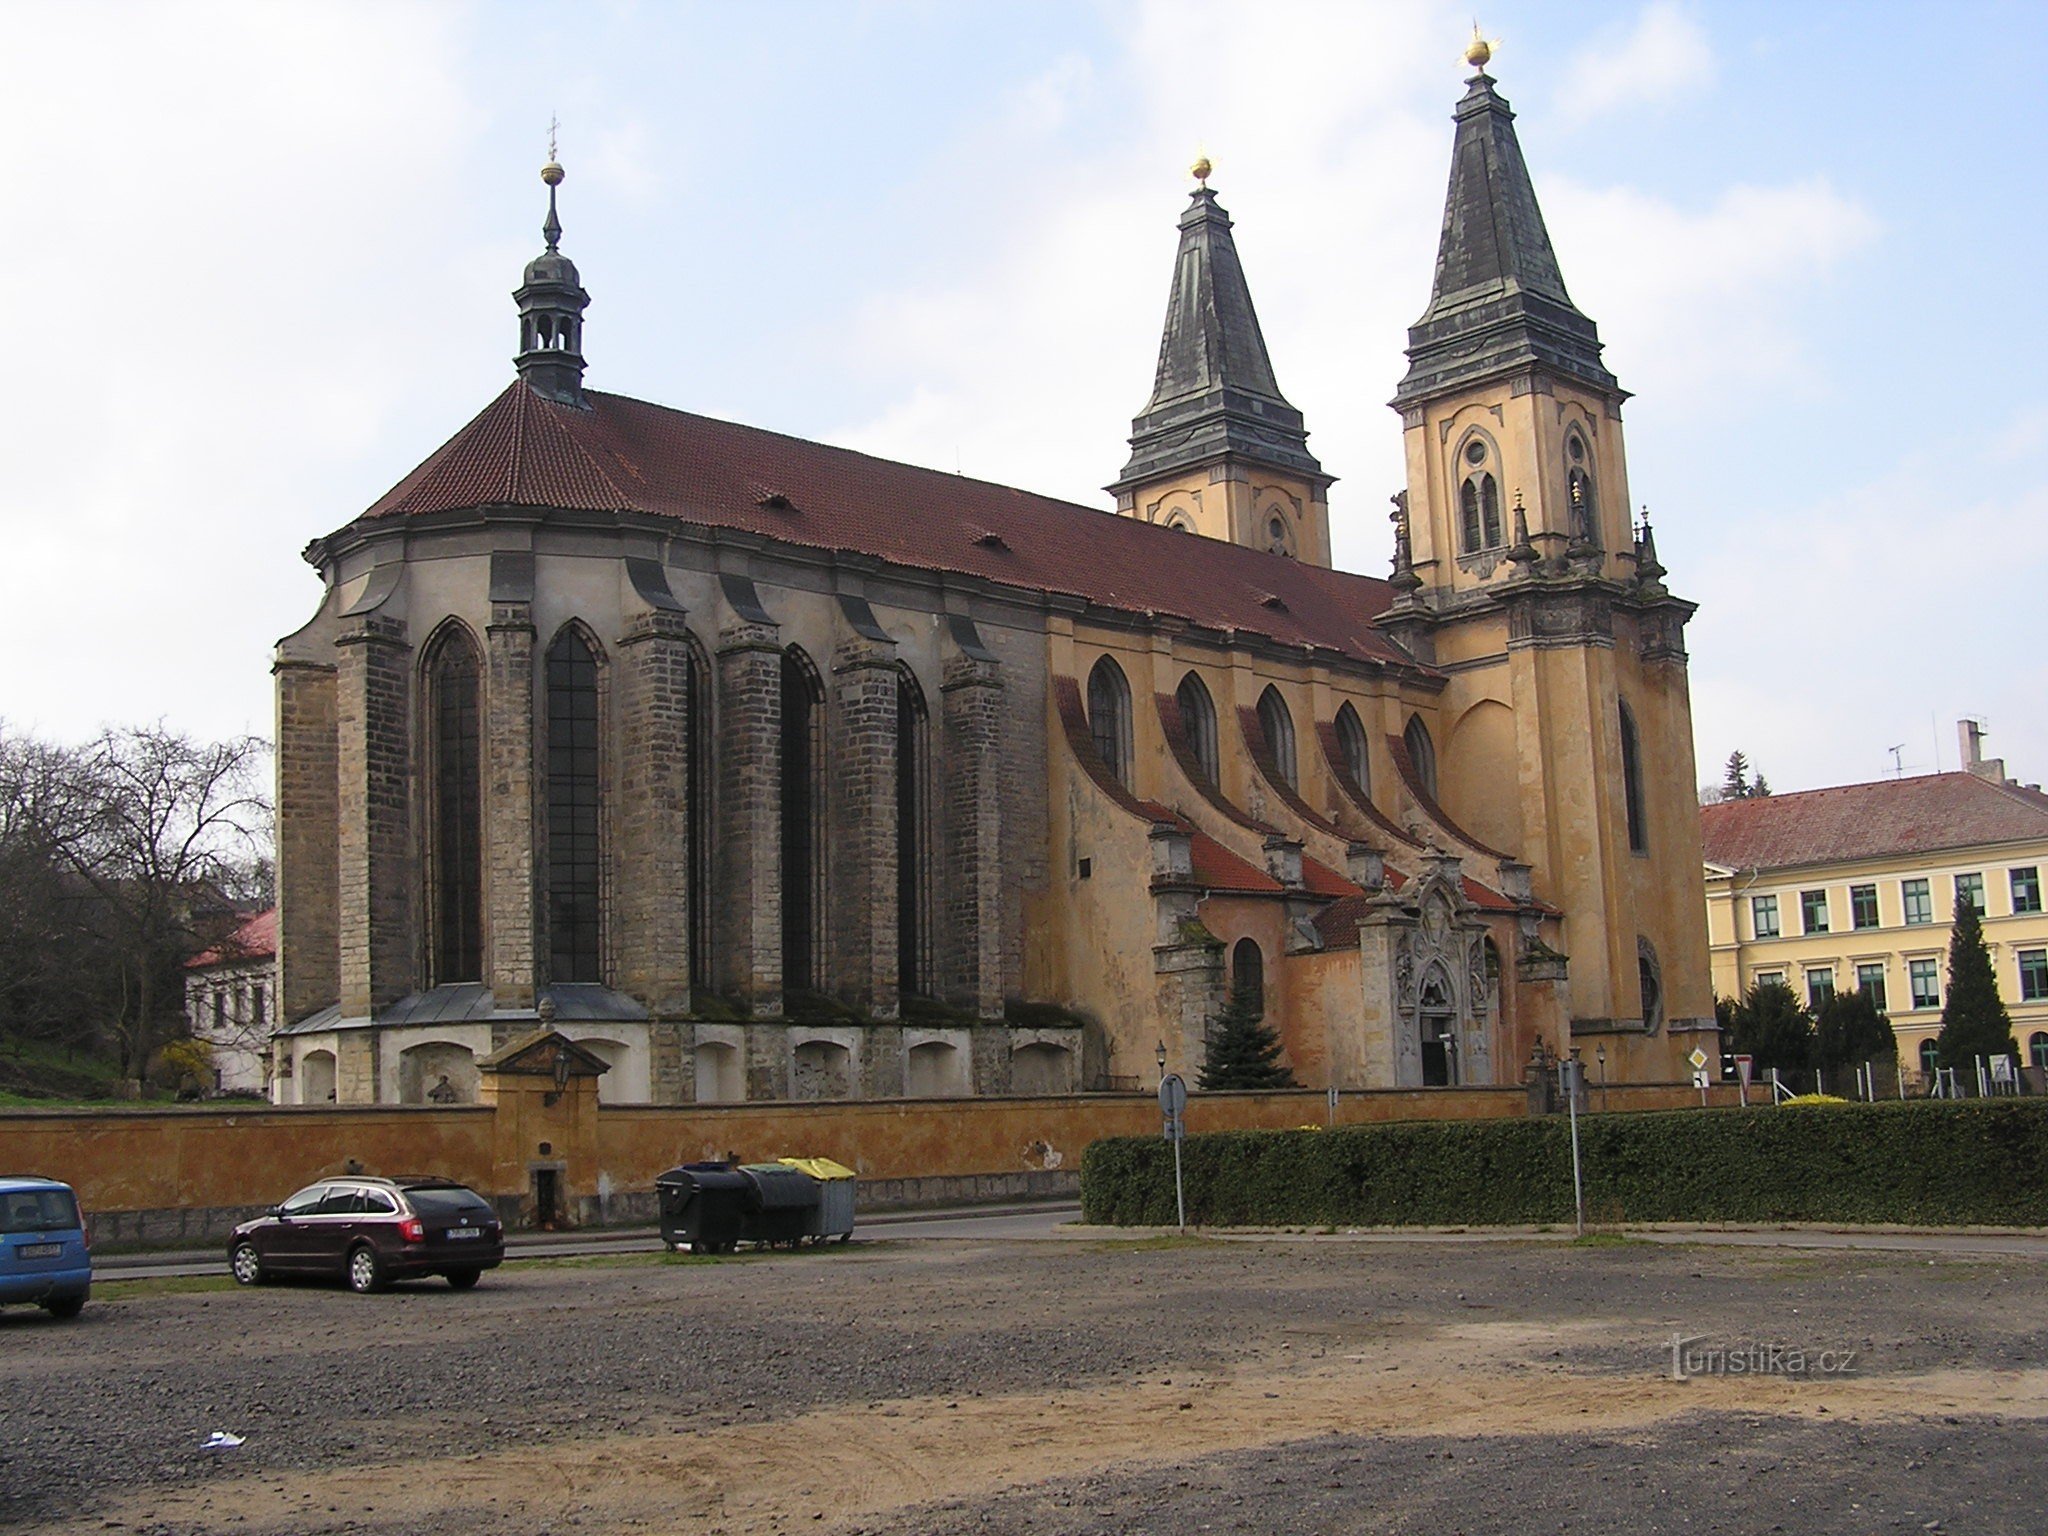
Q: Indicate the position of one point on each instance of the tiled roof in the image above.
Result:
(253, 940)
(1891, 817)
(627, 456)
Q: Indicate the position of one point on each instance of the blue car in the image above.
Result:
(45, 1256)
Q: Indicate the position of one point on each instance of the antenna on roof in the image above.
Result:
(1898, 760)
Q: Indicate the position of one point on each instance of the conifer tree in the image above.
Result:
(1849, 1030)
(1244, 1052)
(1973, 1018)
(1772, 1026)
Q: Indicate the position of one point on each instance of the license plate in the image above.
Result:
(465, 1232)
(38, 1250)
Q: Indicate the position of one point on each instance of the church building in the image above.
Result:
(769, 770)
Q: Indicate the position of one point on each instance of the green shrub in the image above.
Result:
(1929, 1164)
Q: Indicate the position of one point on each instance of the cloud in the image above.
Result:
(1666, 55)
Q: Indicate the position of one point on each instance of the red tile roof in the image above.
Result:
(628, 456)
(1889, 818)
(253, 940)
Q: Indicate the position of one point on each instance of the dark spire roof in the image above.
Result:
(1215, 393)
(1498, 303)
(551, 302)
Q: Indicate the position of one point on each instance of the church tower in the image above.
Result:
(551, 302)
(1519, 572)
(1218, 451)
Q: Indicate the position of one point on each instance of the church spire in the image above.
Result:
(1214, 395)
(551, 303)
(1498, 303)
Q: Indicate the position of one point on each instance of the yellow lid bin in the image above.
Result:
(818, 1167)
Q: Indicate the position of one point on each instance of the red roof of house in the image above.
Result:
(625, 455)
(254, 939)
(1868, 821)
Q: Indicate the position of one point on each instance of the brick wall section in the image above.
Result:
(376, 858)
(308, 879)
(748, 836)
(971, 871)
(862, 962)
(508, 812)
(651, 815)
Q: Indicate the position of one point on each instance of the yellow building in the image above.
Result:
(1856, 886)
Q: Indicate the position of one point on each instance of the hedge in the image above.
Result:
(1923, 1164)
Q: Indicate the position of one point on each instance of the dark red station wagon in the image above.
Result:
(371, 1232)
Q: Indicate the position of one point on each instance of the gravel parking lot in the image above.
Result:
(984, 1386)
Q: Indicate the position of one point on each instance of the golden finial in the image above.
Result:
(1479, 50)
(1201, 169)
(552, 173)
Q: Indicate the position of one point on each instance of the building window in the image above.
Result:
(1421, 754)
(1970, 891)
(1820, 985)
(573, 878)
(2037, 1050)
(1198, 725)
(1930, 1058)
(1770, 978)
(2026, 889)
(698, 773)
(1870, 982)
(455, 870)
(1248, 973)
(1276, 536)
(1109, 718)
(913, 841)
(2033, 975)
(1351, 742)
(1925, 975)
(803, 782)
(220, 1009)
(1919, 901)
(1479, 512)
(1763, 916)
(1863, 906)
(1632, 783)
(1278, 725)
(259, 1002)
(1579, 499)
(1649, 984)
(1813, 911)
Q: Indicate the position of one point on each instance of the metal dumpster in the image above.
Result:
(703, 1207)
(836, 1182)
(781, 1203)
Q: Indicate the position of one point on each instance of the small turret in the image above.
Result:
(551, 302)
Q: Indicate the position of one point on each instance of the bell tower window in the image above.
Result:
(1578, 488)
(1479, 524)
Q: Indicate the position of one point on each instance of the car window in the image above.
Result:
(38, 1210)
(448, 1202)
(306, 1201)
(377, 1203)
(341, 1202)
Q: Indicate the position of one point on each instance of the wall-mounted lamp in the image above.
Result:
(1161, 1053)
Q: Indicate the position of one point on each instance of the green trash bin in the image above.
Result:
(836, 1182)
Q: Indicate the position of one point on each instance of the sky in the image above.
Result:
(261, 255)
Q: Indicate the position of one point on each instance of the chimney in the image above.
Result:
(1970, 745)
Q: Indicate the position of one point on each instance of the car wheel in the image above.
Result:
(247, 1265)
(64, 1308)
(365, 1270)
(463, 1279)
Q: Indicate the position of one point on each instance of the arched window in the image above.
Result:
(1578, 488)
(913, 841)
(574, 881)
(1109, 717)
(803, 756)
(1248, 973)
(1276, 534)
(1632, 783)
(697, 784)
(1279, 728)
(1478, 499)
(2037, 1050)
(455, 866)
(1351, 742)
(1422, 753)
(1198, 720)
(1930, 1057)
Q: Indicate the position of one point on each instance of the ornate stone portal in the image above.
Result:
(1431, 984)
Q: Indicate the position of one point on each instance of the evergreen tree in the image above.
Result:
(1973, 1018)
(1737, 783)
(1773, 1026)
(1850, 1031)
(1244, 1052)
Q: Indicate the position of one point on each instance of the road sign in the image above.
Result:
(1745, 1070)
(1698, 1058)
(1173, 1095)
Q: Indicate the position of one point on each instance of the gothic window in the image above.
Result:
(1479, 500)
(1248, 973)
(1351, 741)
(1276, 535)
(1421, 753)
(455, 861)
(1579, 497)
(1109, 717)
(803, 756)
(1198, 721)
(573, 874)
(913, 842)
(1632, 783)
(697, 785)
(1279, 728)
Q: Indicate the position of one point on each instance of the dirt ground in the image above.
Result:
(1054, 1387)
